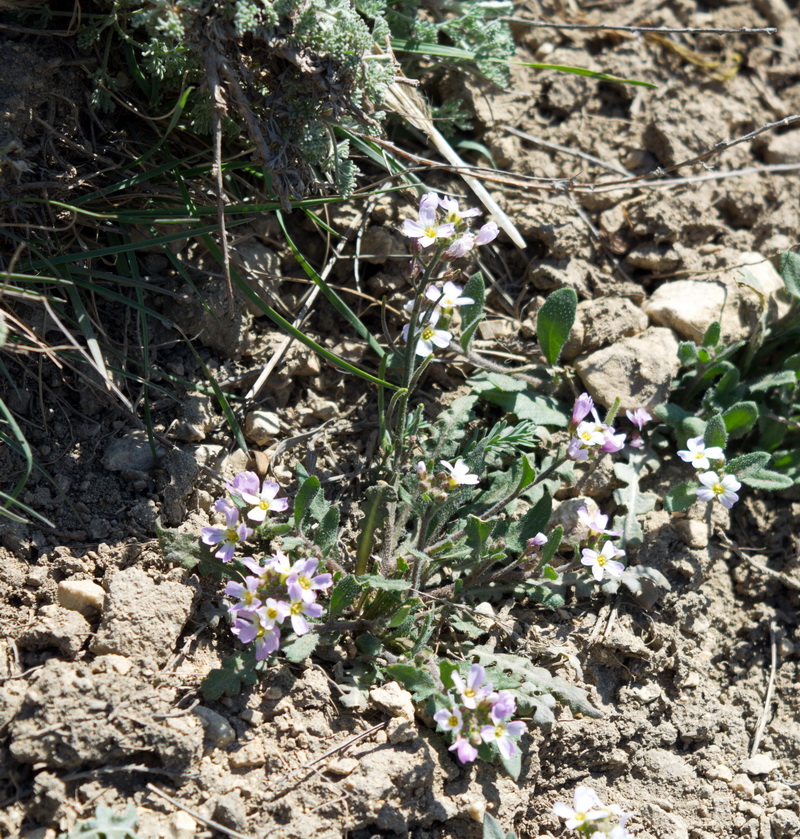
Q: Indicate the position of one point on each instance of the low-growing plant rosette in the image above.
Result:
(478, 718)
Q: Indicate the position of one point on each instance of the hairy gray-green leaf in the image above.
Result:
(554, 322)
(472, 313)
(680, 498)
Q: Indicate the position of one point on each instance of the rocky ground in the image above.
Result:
(104, 643)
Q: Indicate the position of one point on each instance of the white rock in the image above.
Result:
(261, 426)
(182, 826)
(394, 700)
(783, 148)
(760, 765)
(693, 533)
(720, 773)
(690, 306)
(742, 786)
(638, 370)
(342, 766)
(218, 731)
(82, 596)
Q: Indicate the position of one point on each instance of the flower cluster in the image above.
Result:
(441, 219)
(715, 483)
(590, 437)
(480, 715)
(270, 594)
(599, 555)
(249, 494)
(590, 817)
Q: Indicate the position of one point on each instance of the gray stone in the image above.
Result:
(143, 617)
(783, 148)
(56, 627)
(130, 452)
(230, 811)
(261, 426)
(182, 469)
(198, 419)
(638, 370)
(218, 731)
(394, 700)
(82, 596)
(762, 764)
(608, 319)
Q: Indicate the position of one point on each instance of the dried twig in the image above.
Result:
(789, 582)
(673, 30)
(762, 720)
(195, 815)
(566, 150)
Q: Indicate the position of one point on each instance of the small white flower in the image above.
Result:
(426, 230)
(448, 297)
(453, 213)
(459, 473)
(723, 489)
(603, 561)
(487, 233)
(460, 247)
(700, 455)
(586, 808)
(429, 336)
(590, 434)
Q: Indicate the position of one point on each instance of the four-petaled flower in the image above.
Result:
(639, 417)
(302, 583)
(722, 488)
(453, 213)
(449, 719)
(461, 246)
(429, 336)
(459, 473)
(474, 690)
(583, 405)
(264, 501)
(603, 561)
(586, 808)
(464, 749)
(501, 733)
(700, 455)
(297, 611)
(448, 297)
(426, 231)
(596, 525)
(227, 537)
(256, 628)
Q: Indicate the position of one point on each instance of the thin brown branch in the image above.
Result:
(672, 30)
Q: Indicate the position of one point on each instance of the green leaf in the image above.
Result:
(237, 670)
(510, 394)
(376, 581)
(301, 648)
(671, 415)
(328, 531)
(491, 827)
(680, 498)
(400, 616)
(740, 418)
(782, 377)
(419, 682)
(747, 464)
(790, 273)
(446, 670)
(690, 427)
(550, 547)
(478, 532)
(646, 584)
(549, 572)
(528, 470)
(535, 520)
(472, 313)
(512, 765)
(343, 596)
(308, 491)
(369, 644)
(767, 479)
(713, 332)
(106, 825)
(687, 353)
(554, 322)
(715, 433)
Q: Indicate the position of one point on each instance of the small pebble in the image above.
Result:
(342, 766)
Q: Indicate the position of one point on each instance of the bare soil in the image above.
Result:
(105, 708)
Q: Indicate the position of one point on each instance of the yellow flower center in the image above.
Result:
(231, 535)
(428, 333)
(452, 721)
(264, 504)
(304, 582)
(470, 692)
(499, 731)
(430, 232)
(297, 607)
(272, 613)
(718, 489)
(601, 559)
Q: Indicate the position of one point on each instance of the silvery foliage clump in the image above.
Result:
(295, 76)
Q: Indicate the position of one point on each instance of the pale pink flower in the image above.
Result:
(464, 749)
(487, 233)
(453, 213)
(475, 689)
(596, 525)
(700, 455)
(502, 733)
(425, 230)
(449, 719)
(639, 417)
(265, 501)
